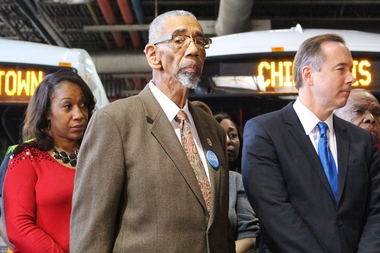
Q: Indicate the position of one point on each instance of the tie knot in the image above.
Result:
(181, 116)
(322, 127)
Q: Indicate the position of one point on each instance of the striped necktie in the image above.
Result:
(194, 158)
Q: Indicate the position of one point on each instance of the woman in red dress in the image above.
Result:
(39, 181)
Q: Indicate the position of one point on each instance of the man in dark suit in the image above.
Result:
(135, 189)
(301, 208)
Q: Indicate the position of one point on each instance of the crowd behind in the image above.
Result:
(157, 173)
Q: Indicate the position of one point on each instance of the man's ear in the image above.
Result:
(153, 57)
(307, 75)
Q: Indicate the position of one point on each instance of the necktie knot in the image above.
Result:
(322, 128)
(181, 116)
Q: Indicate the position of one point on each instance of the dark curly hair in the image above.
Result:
(36, 123)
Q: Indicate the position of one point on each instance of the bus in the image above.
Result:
(252, 72)
(23, 65)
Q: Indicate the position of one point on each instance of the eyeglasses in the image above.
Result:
(182, 40)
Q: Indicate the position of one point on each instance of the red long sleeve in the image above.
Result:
(37, 194)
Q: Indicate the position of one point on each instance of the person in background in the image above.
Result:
(362, 109)
(39, 181)
(243, 220)
(312, 178)
(234, 140)
(135, 187)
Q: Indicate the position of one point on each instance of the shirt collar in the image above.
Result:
(308, 119)
(168, 106)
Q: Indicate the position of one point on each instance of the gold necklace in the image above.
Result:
(66, 158)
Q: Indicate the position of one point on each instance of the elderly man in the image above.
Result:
(153, 173)
(362, 109)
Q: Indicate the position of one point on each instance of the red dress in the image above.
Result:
(37, 194)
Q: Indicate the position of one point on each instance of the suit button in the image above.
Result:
(339, 223)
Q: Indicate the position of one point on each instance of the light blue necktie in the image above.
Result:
(327, 159)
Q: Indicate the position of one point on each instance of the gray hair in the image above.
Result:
(311, 54)
(157, 27)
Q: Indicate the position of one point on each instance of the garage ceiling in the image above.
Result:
(111, 27)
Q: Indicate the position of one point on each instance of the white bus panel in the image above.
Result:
(261, 62)
(24, 64)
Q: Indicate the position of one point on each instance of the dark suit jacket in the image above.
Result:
(287, 187)
(135, 190)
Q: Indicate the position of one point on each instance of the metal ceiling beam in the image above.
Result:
(109, 15)
(140, 17)
(42, 23)
(96, 21)
(112, 28)
(207, 25)
(11, 27)
(127, 15)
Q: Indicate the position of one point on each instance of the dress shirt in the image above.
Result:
(310, 124)
(171, 109)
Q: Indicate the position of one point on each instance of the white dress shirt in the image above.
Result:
(171, 110)
(310, 124)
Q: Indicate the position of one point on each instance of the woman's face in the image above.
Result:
(68, 113)
(233, 141)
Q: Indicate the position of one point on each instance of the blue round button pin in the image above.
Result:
(212, 159)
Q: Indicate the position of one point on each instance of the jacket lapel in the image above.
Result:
(297, 131)
(162, 130)
(343, 146)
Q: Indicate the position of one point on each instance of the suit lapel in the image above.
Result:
(343, 146)
(162, 130)
(297, 131)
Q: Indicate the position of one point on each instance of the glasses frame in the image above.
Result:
(171, 36)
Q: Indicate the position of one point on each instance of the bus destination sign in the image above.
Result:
(275, 75)
(18, 85)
